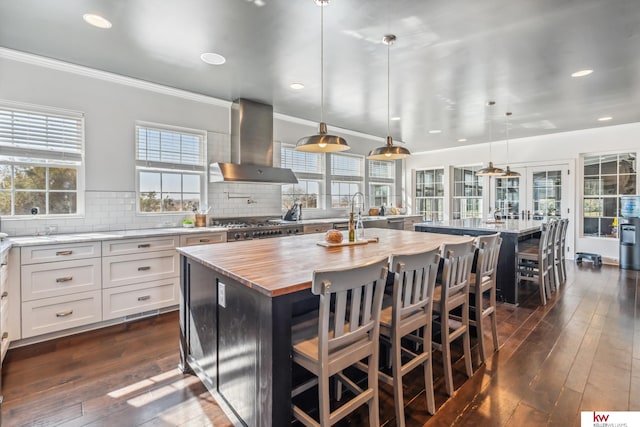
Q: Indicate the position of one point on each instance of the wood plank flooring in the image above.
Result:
(580, 352)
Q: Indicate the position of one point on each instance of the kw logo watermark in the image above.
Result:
(610, 418)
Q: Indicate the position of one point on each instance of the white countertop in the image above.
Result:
(106, 235)
(340, 219)
(515, 226)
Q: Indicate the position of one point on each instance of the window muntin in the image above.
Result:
(347, 178)
(429, 193)
(381, 182)
(41, 158)
(467, 193)
(342, 192)
(606, 179)
(170, 167)
(309, 169)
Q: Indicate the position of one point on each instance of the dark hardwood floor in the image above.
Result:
(580, 352)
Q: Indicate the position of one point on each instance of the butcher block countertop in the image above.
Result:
(284, 265)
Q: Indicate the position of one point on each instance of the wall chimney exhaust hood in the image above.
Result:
(251, 147)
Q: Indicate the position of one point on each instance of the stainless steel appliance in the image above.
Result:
(256, 228)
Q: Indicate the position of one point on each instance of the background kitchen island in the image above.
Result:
(237, 303)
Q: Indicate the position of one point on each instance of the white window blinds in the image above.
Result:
(382, 169)
(169, 149)
(32, 136)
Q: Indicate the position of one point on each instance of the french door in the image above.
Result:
(540, 192)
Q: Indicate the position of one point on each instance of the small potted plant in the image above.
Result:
(187, 223)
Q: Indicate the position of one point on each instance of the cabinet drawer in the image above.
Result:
(138, 298)
(60, 278)
(128, 269)
(317, 228)
(202, 239)
(65, 252)
(54, 314)
(137, 246)
(4, 281)
(4, 327)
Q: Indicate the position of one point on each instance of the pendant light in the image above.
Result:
(322, 142)
(490, 170)
(389, 151)
(508, 173)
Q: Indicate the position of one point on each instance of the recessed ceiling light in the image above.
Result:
(435, 131)
(462, 140)
(395, 119)
(581, 73)
(605, 118)
(96, 20)
(296, 86)
(213, 58)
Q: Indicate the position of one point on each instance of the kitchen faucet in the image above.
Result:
(359, 226)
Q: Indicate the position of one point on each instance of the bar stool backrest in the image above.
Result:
(415, 277)
(488, 252)
(458, 260)
(361, 288)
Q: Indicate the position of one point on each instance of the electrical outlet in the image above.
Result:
(222, 295)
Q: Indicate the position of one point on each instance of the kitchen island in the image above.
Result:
(511, 231)
(237, 303)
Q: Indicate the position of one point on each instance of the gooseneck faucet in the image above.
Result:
(359, 231)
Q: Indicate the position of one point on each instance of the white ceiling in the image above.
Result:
(451, 56)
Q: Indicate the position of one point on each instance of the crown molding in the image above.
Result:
(55, 64)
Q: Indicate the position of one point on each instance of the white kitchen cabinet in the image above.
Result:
(132, 299)
(203, 238)
(4, 305)
(128, 269)
(139, 275)
(47, 315)
(46, 280)
(60, 287)
(59, 252)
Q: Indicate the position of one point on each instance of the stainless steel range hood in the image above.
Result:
(251, 147)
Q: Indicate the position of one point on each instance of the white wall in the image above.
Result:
(539, 150)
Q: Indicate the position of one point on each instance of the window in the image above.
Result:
(381, 182)
(467, 193)
(170, 167)
(41, 160)
(347, 176)
(309, 169)
(430, 193)
(606, 178)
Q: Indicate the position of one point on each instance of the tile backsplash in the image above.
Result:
(116, 210)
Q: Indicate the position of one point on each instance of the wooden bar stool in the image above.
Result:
(533, 263)
(484, 281)
(345, 331)
(409, 318)
(452, 294)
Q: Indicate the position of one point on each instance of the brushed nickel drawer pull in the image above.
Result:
(64, 279)
(144, 298)
(64, 252)
(4, 295)
(5, 335)
(204, 240)
(144, 245)
(144, 268)
(64, 313)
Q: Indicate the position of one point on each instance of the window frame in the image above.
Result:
(435, 198)
(605, 221)
(318, 177)
(388, 181)
(46, 154)
(477, 189)
(358, 180)
(152, 166)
